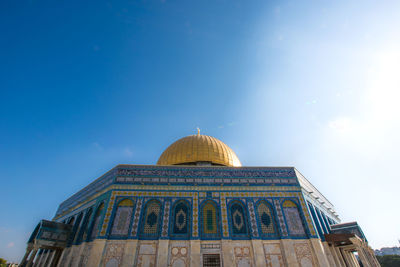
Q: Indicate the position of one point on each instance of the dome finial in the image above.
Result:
(198, 131)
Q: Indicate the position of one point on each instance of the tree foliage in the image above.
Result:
(389, 260)
(3, 262)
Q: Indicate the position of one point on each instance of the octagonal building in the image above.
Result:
(198, 207)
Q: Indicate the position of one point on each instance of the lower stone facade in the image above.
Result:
(176, 253)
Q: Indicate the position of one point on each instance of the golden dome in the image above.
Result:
(199, 148)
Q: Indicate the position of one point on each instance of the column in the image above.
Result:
(129, 253)
(39, 257)
(195, 254)
(56, 257)
(363, 257)
(321, 254)
(336, 256)
(346, 257)
(162, 257)
(49, 257)
(32, 257)
(44, 258)
(24, 259)
(226, 253)
(289, 253)
(258, 250)
(372, 254)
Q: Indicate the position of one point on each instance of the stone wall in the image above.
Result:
(179, 253)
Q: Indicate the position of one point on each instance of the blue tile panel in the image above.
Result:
(151, 220)
(266, 219)
(172, 218)
(181, 220)
(183, 175)
(294, 221)
(120, 225)
(207, 204)
(238, 220)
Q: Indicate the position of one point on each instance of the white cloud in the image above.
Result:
(128, 152)
(97, 146)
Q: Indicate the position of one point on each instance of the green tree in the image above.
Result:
(3, 262)
(389, 260)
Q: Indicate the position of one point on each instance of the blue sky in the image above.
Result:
(86, 86)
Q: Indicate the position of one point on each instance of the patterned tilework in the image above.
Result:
(122, 218)
(147, 254)
(308, 217)
(151, 219)
(205, 172)
(303, 254)
(195, 215)
(243, 256)
(96, 222)
(273, 255)
(179, 253)
(136, 217)
(85, 254)
(221, 209)
(224, 214)
(171, 191)
(293, 219)
(164, 232)
(238, 219)
(108, 214)
(113, 253)
(156, 175)
(253, 221)
(209, 219)
(181, 218)
(281, 220)
(99, 184)
(265, 218)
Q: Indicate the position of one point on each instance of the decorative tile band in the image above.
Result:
(225, 231)
(195, 215)
(164, 230)
(253, 220)
(136, 217)
(281, 220)
(183, 175)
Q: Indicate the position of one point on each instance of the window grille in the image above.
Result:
(211, 260)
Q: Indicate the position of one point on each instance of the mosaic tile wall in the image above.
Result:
(159, 211)
(132, 214)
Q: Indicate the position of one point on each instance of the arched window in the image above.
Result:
(238, 220)
(84, 227)
(122, 218)
(71, 220)
(96, 222)
(210, 220)
(150, 225)
(76, 227)
(181, 219)
(266, 219)
(293, 218)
